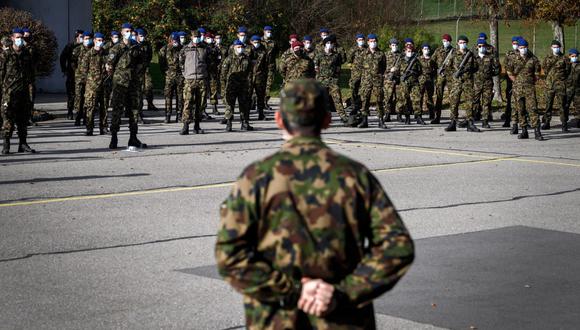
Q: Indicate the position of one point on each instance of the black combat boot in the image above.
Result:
(407, 119)
(78, 119)
(431, 114)
(452, 127)
(546, 125)
(538, 134)
(167, 118)
(364, 122)
(24, 147)
(506, 122)
(133, 140)
(184, 130)
(565, 127)
(103, 131)
(388, 118)
(462, 124)
(178, 117)
(215, 110)
(400, 118)
(514, 129)
(246, 126)
(524, 133)
(420, 120)
(114, 140)
(261, 115)
(485, 124)
(70, 115)
(471, 126)
(89, 131)
(6, 146)
(228, 125)
(151, 106)
(196, 128)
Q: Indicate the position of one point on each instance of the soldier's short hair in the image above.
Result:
(304, 106)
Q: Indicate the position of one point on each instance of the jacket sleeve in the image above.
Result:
(236, 256)
(389, 255)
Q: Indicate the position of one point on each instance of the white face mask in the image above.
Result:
(426, 52)
(127, 35)
(196, 40)
(523, 51)
(515, 46)
(574, 59)
(394, 48)
(218, 41)
(372, 44)
(242, 38)
(209, 41)
(239, 50)
(182, 40)
(307, 44)
(446, 43)
(408, 53)
(328, 46)
(115, 40)
(360, 43)
(463, 46)
(555, 50)
(87, 43)
(98, 44)
(267, 34)
(257, 45)
(18, 42)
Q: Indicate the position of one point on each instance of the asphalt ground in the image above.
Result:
(92, 238)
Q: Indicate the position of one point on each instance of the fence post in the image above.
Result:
(457, 27)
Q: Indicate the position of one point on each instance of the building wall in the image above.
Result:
(62, 17)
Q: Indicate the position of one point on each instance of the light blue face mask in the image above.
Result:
(127, 35)
(18, 42)
(574, 59)
(88, 43)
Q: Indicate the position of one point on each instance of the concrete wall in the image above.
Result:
(62, 17)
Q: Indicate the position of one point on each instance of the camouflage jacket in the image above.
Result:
(374, 66)
(311, 53)
(573, 81)
(15, 71)
(66, 59)
(392, 60)
(413, 70)
(260, 62)
(509, 56)
(272, 50)
(439, 56)
(169, 60)
(355, 58)
(126, 61)
(236, 71)
(556, 68)
(213, 61)
(486, 68)
(95, 63)
(525, 69)
(327, 67)
(468, 68)
(428, 69)
(147, 55)
(79, 54)
(307, 211)
(297, 66)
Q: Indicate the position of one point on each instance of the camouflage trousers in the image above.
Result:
(482, 97)
(508, 99)
(369, 89)
(214, 88)
(259, 87)
(410, 99)
(124, 100)
(573, 96)
(390, 92)
(270, 81)
(354, 84)
(335, 99)
(173, 88)
(80, 98)
(440, 92)
(556, 92)
(147, 89)
(108, 90)
(426, 91)
(95, 102)
(70, 92)
(15, 113)
(194, 92)
(240, 93)
(461, 87)
(527, 105)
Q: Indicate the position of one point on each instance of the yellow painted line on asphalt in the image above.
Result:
(439, 165)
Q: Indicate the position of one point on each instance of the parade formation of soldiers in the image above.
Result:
(109, 76)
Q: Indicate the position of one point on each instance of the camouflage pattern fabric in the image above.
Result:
(486, 68)
(236, 76)
(66, 67)
(169, 64)
(297, 66)
(410, 93)
(147, 85)
(213, 64)
(509, 56)
(461, 86)
(355, 57)
(272, 50)
(373, 65)
(525, 69)
(260, 74)
(427, 82)
(573, 89)
(194, 93)
(327, 66)
(391, 80)
(557, 69)
(79, 54)
(441, 82)
(15, 72)
(94, 90)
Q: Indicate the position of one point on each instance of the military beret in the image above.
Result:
(522, 42)
(446, 37)
(242, 29)
(268, 28)
(115, 33)
(463, 37)
(127, 26)
(201, 30)
(293, 36)
(141, 32)
(324, 30)
(407, 40)
(393, 41)
(296, 44)
(481, 41)
(79, 31)
(209, 35)
(372, 36)
(99, 35)
(573, 51)
(360, 36)
(17, 30)
(330, 38)
(255, 37)
(25, 29)
(175, 36)
(516, 38)
(426, 45)
(87, 34)
(303, 102)
(482, 35)
(556, 42)
(181, 34)
(307, 38)
(237, 42)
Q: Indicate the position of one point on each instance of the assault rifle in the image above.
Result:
(441, 70)
(461, 70)
(408, 69)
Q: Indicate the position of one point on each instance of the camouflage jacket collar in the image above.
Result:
(300, 141)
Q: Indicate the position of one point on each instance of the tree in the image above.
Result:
(558, 13)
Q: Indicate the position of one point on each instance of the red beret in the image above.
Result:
(297, 44)
(293, 36)
(446, 37)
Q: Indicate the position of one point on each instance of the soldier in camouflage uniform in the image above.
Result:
(288, 52)
(222, 53)
(486, 67)
(294, 230)
(308, 47)
(392, 77)
(108, 83)
(79, 54)
(410, 69)
(327, 66)
(193, 60)
(523, 70)
(236, 77)
(147, 49)
(462, 68)
(510, 115)
(260, 74)
(67, 69)
(27, 37)
(556, 68)
(169, 65)
(124, 60)
(15, 74)
(6, 45)
(442, 57)
(573, 85)
(427, 79)
(94, 91)
(373, 65)
(272, 50)
(296, 64)
(354, 58)
(213, 64)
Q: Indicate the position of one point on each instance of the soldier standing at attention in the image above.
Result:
(573, 84)
(272, 50)
(354, 58)
(169, 65)
(260, 74)
(308, 47)
(147, 49)
(427, 79)
(308, 236)
(374, 64)
(327, 66)
(410, 96)
(556, 67)
(486, 67)
(236, 77)
(296, 64)
(79, 54)
(193, 63)
(510, 115)
(442, 57)
(15, 71)
(67, 68)
(213, 64)
(124, 61)
(94, 91)
(392, 78)
(523, 70)
(108, 83)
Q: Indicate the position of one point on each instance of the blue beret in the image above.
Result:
(115, 33)
(360, 35)
(426, 45)
(239, 43)
(201, 30)
(175, 36)
(516, 38)
(307, 38)
(25, 29)
(242, 29)
(324, 30)
(141, 32)
(482, 35)
(255, 37)
(181, 34)
(268, 28)
(573, 51)
(372, 36)
(409, 40)
(127, 26)
(522, 42)
(87, 34)
(481, 41)
(17, 30)
(99, 35)
(394, 41)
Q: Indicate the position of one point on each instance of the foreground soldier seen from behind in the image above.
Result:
(308, 236)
